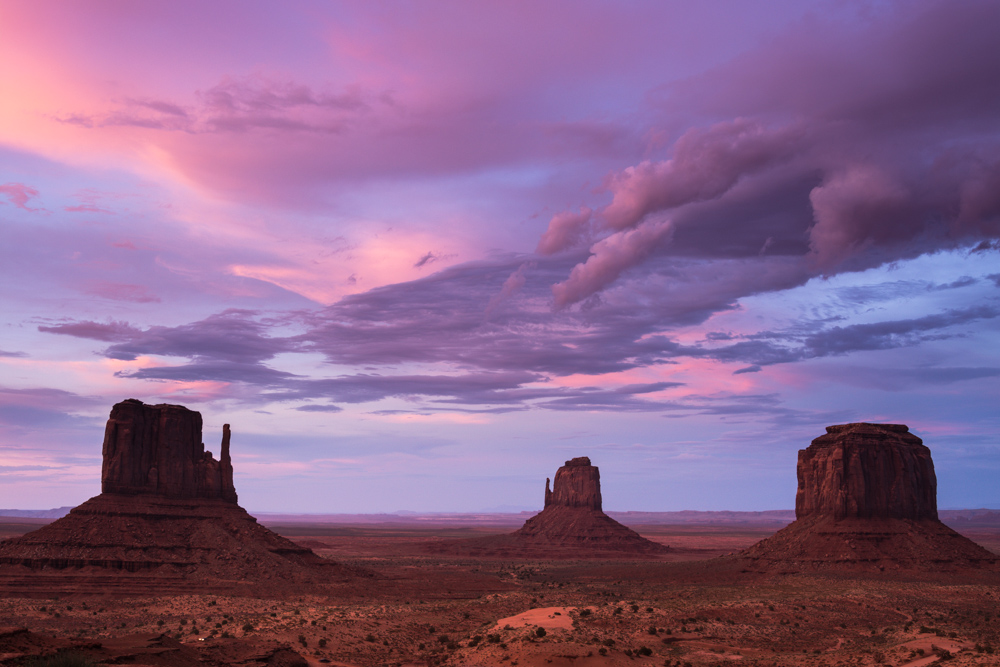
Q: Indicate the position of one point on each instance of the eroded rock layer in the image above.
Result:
(157, 449)
(866, 471)
(572, 525)
(866, 499)
(578, 484)
(166, 521)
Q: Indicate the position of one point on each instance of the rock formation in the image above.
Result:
(866, 498)
(167, 511)
(868, 471)
(578, 484)
(571, 525)
(157, 449)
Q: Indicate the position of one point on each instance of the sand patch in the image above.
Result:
(550, 618)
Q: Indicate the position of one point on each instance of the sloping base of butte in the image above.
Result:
(562, 533)
(820, 543)
(168, 545)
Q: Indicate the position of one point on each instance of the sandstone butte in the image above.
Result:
(572, 524)
(866, 499)
(167, 519)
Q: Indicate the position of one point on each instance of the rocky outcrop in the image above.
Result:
(867, 471)
(571, 525)
(866, 500)
(157, 450)
(167, 520)
(577, 484)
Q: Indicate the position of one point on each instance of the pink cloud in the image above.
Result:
(609, 258)
(856, 207)
(706, 164)
(565, 230)
(511, 286)
(86, 208)
(867, 163)
(19, 194)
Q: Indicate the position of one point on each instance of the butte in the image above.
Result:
(167, 521)
(571, 525)
(866, 500)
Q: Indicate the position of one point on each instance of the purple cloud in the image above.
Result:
(43, 407)
(316, 407)
(107, 332)
(426, 259)
(893, 161)
(124, 292)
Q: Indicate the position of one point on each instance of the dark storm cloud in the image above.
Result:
(816, 153)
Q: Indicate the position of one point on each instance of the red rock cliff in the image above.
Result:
(577, 484)
(866, 471)
(157, 449)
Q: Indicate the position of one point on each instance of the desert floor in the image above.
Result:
(422, 610)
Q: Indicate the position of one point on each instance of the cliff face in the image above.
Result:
(870, 471)
(157, 450)
(577, 484)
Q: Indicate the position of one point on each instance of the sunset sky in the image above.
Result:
(419, 254)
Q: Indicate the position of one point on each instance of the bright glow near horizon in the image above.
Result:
(419, 255)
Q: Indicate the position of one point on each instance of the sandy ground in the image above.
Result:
(421, 610)
(548, 618)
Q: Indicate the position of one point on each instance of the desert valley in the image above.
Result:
(164, 568)
(560, 333)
